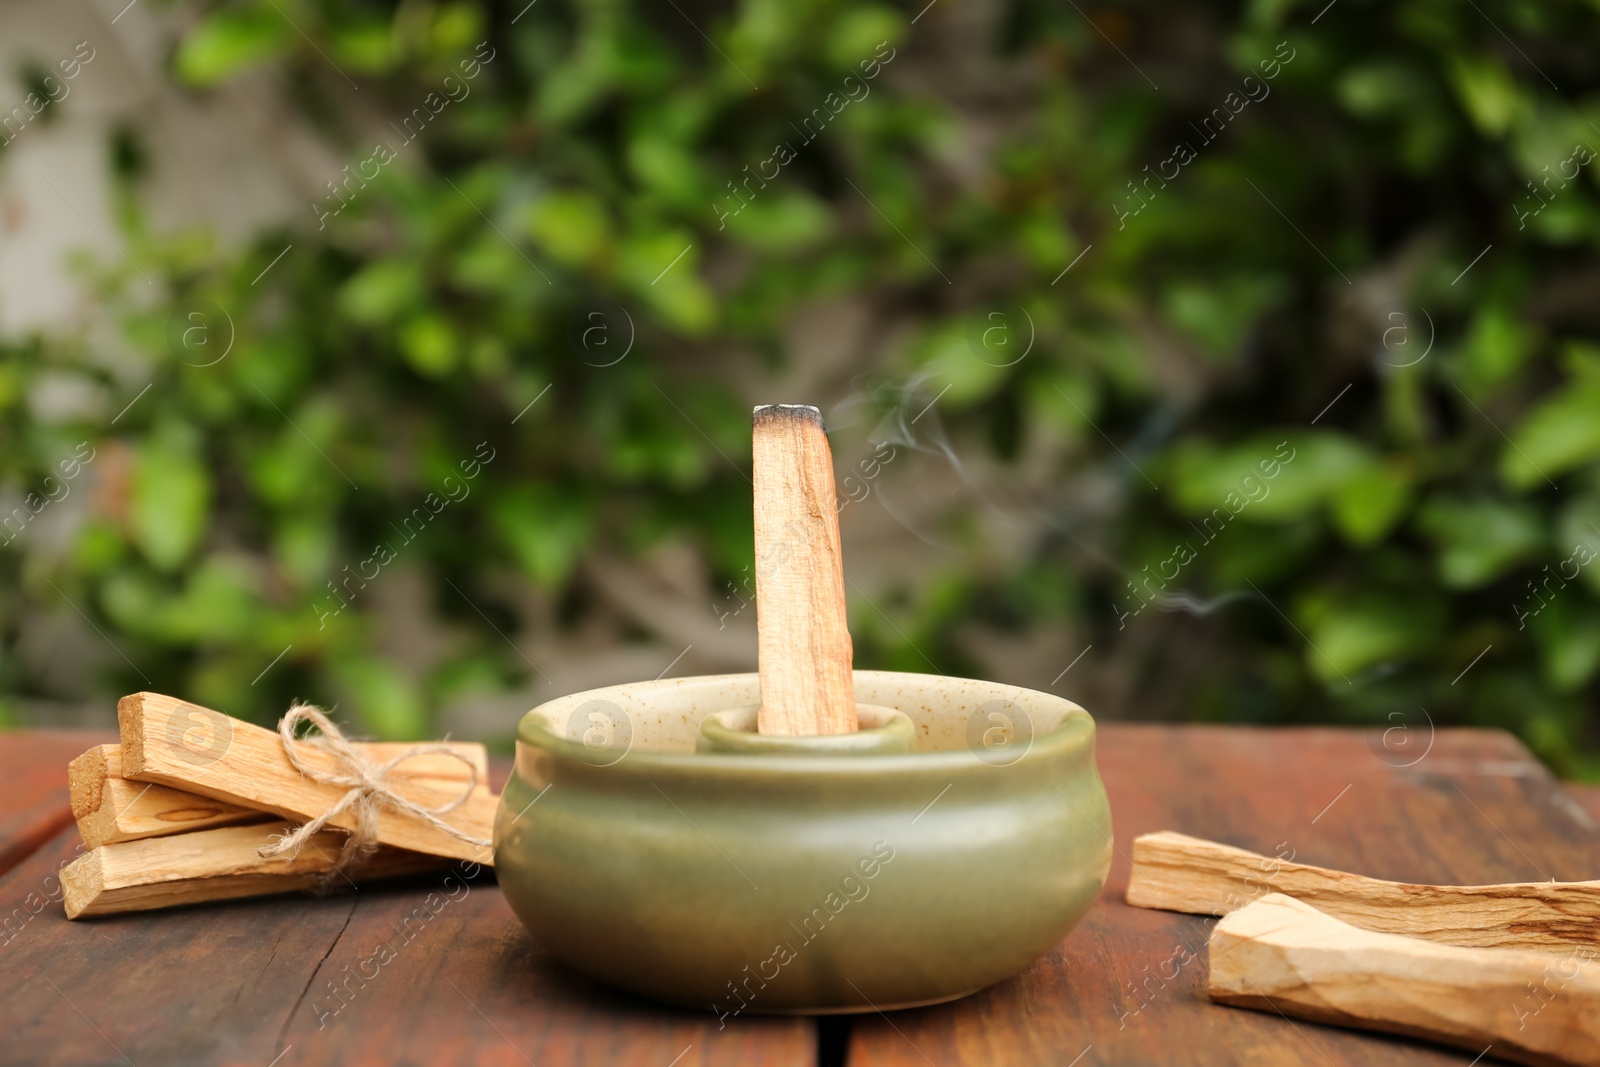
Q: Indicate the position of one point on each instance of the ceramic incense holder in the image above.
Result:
(650, 839)
(809, 838)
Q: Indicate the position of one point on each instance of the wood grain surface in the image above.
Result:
(1128, 986)
(34, 802)
(245, 982)
(424, 971)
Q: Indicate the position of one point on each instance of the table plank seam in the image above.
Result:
(311, 979)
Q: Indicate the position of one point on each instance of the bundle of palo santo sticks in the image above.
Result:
(183, 809)
(1514, 968)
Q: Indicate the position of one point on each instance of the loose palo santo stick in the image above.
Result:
(803, 642)
(175, 743)
(220, 864)
(109, 808)
(1175, 872)
(1284, 956)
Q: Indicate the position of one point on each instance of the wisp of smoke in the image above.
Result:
(1187, 602)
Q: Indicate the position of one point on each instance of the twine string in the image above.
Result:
(367, 787)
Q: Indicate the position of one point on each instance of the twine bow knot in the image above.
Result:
(367, 785)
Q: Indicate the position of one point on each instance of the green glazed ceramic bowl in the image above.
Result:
(803, 880)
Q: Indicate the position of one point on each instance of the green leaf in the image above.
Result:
(1565, 222)
(660, 267)
(367, 46)
(1347, 638)
(666, 166)
(221, 602)
(1380, 88)
(11, 385)
(647, 450)
(456, 28)
(293, 469)
(218, 605)
(1486, 90)
(303, 545)
(489, 266)
(1578, 535)
(571, 225)
(572, 89)
(857, 33)
(384, 700)
(170, 496)
(1067, 400)
(971, 362)
(1371, 502)
(1244, 553)
(429, 344)
(546, 530)
(1266, 479)
(1568, 635)
(382, 290)
(1561, 433)
(1479, 540)
(228, 42)
(1048, 243)
(1497, 346)
(132, 599)
(1217, 314)
(781, 223)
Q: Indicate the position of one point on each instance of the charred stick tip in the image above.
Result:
(786, 413)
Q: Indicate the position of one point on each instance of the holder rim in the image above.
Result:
(1075, 730)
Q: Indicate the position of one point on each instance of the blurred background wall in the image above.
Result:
(1212, 361)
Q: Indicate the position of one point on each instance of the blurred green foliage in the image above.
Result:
(1303, 279)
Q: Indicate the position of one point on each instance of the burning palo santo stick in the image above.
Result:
(110, 808)
(1281, 955)
(803, 643)
(1175, 872)
(219, 864)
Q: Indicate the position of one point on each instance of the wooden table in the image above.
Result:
(253, 983)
